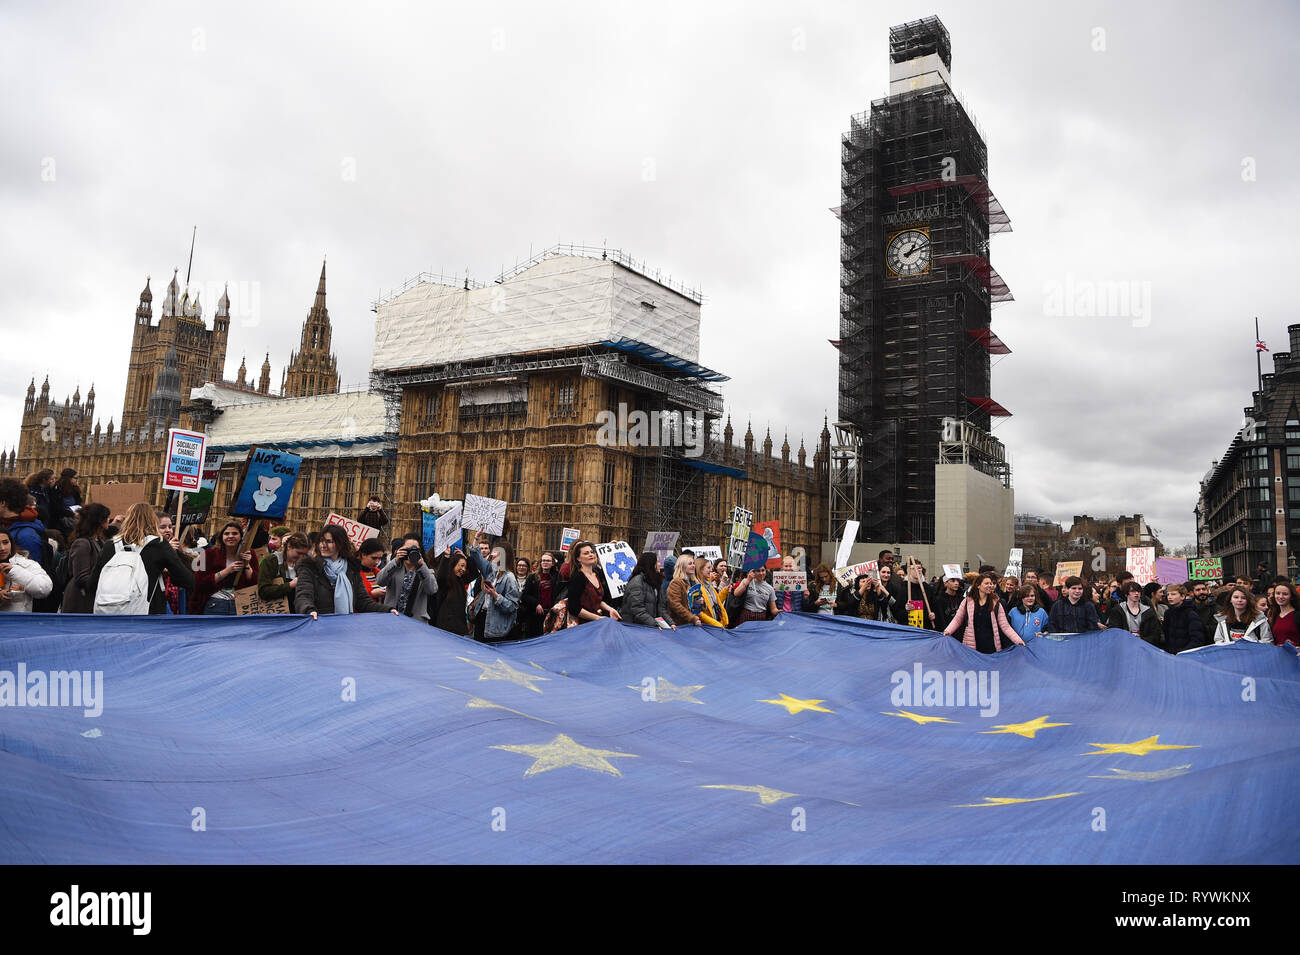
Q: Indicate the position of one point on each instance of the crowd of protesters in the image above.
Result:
(60, 555)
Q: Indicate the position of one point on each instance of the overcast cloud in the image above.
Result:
(700, 137)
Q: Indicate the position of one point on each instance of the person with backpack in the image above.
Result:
(24, 580)
(83, 554)
(127, 578)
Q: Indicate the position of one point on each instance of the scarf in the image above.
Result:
(337, 572)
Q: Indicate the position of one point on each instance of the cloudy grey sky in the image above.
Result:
(701, 137)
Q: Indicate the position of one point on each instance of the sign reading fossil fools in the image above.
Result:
(265, 484)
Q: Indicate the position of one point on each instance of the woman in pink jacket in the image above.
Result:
(985, 621)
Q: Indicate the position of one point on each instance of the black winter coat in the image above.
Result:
(1184, 628)
(315, 592)
(1148, 625)
(156, 556)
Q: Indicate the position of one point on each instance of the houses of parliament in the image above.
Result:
(168, 359)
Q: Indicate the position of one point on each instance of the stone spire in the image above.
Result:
(264, 383)
(313, 368)
(172, 302)
(223, 303)
(785, 448)
(243, 374)
(144, 311)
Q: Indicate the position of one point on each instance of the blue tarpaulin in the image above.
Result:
(374, 739)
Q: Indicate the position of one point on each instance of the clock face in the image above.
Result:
(908, 252)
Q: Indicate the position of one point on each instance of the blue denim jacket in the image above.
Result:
(501, 611)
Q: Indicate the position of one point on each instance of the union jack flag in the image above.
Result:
(1260, 346)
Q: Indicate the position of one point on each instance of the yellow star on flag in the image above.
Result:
(793, 705)
(1140, 748)
(478, 703)
(504, 671)
(1027, 730)
(565, 751)
(765, 795)
(917, 717)
(1009, 800)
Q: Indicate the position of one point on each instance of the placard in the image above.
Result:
(1066, 569)
(1141, 563)
(617, 561)
(784, 580)
(118, 498)
(707, 551)
(484, 514)
(1171, 570)
(846, 543)
(741, 521)
(847, 575)
(247, 601)
(661, 543)
(756, 552)
(448, 528)
(196, 506)
(1205, 568)
(952, 572)
(356, 531)
(1013, 563)
(568, 537)
(266, 484)
(770, 531)
(183, 466)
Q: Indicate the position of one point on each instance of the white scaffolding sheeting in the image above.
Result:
(347, 424)
(562, 301)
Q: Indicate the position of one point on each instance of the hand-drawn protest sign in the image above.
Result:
(771, 532)
(448, 528)
(1205, 568)
(483, 514)
(356, 531)
(661, 543)
(952, 572)
(756, 551)
(1141, 563)
(197, 503)
(789, 580)
(742, 520)
(266, 484)
(707, 551)
(247, 601)
(847, 575)
(1014, 560)
(617, 561)
(1066, 569)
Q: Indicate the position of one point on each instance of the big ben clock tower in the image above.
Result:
(916, 292)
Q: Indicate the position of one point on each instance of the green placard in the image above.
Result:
(1205, 568)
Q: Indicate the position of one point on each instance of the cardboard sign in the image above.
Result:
(183, 466)
(952, 572)
(741, 521)
(707, 551)
(485, 514)
(1171, 570)
(118, 498)
(568, 537)
(247, 601)
(356, 531)
(617, 561)
(847, 575)
(1066, 569)
(447, 528)
(846, 543)
(661, 543)
(1141, 563)
(1205, 568)
(771, 533)
(1013, 562)
(266, 484)
(789, 580)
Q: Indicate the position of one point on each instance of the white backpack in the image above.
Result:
(123, 583)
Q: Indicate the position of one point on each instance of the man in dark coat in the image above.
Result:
(1183, 626)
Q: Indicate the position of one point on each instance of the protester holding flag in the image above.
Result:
(641, 595)
(331, 582)
(1073, 614)
(277, 576)
(1026, 617)
(225, 570)
(947, 602)
(1136, 617)
(370, 553)
(822, 590)
(789, 600)
(111, 587)
(1282, 616)
(760, 596)
(454, 575)
(547, 589)
(1242, 621)
(588, 597)
(982, 620)
(22, 580)
(1182, 624)
(83, 554)
(679, 591)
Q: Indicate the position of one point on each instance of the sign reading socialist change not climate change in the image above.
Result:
(184, 467)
